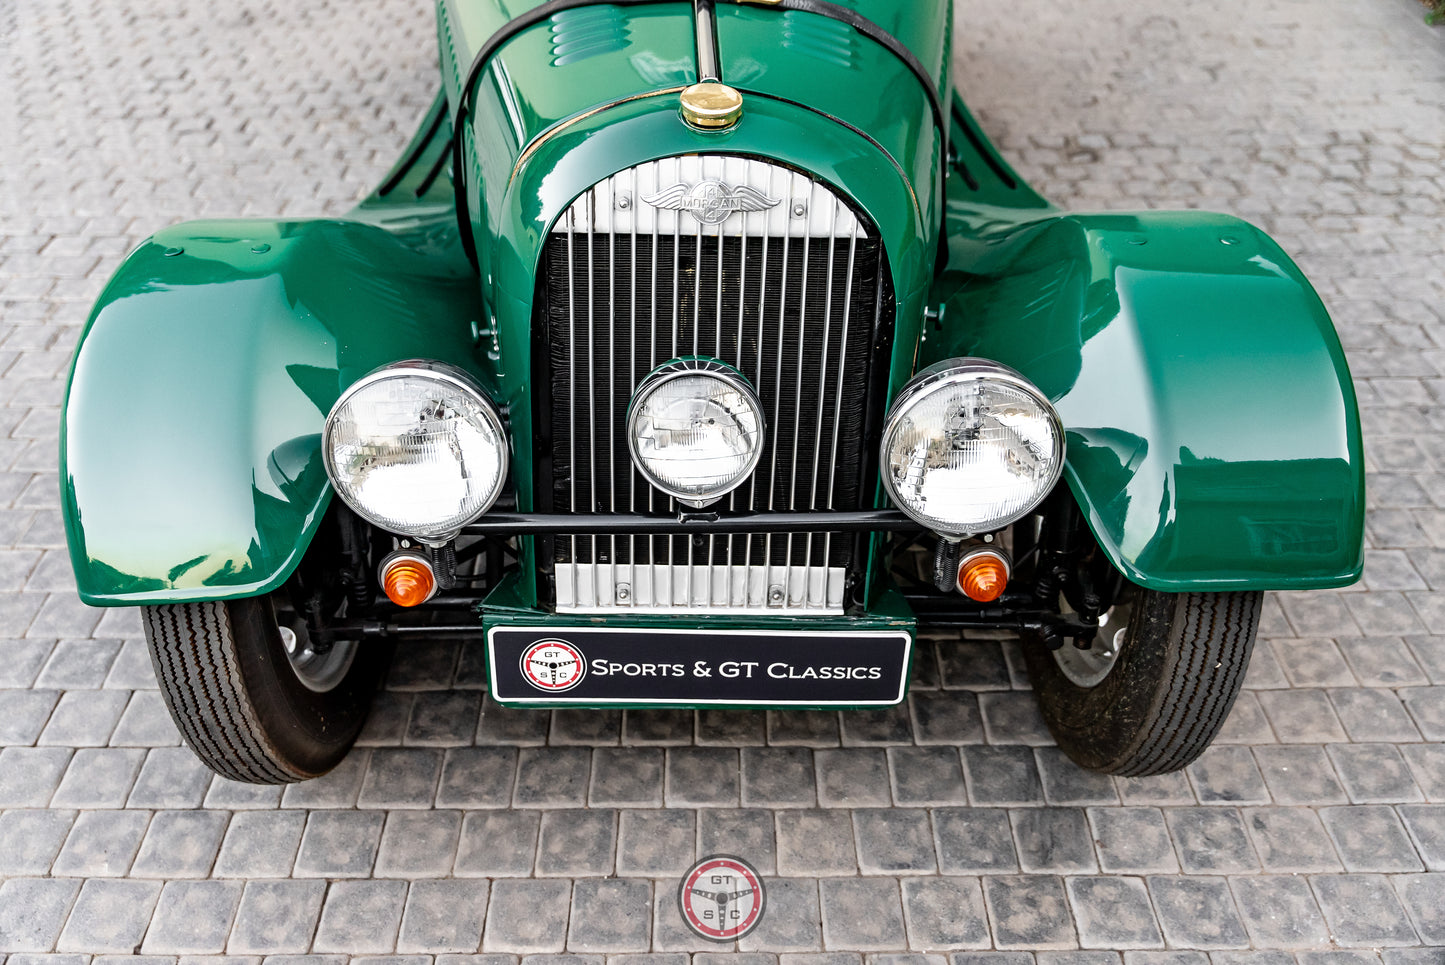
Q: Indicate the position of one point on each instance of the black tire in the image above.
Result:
(1177, 674)
(238, 703)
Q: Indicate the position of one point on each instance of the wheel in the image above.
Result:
(252, 696)
(1157, 683)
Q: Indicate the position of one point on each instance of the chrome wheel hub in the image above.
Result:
(1089, 668)
(318, 671)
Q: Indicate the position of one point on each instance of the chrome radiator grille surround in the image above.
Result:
(792, 296)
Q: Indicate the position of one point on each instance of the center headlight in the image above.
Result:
(970, 446)
(695, 429)
(416, 449)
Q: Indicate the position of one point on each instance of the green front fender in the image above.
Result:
(1213, 438)
(191, 436)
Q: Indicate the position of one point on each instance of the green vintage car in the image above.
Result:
(705, 354)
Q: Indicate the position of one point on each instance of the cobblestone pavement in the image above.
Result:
(1316, 825)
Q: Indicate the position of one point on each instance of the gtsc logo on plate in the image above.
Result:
(553, 666)
(721, 898)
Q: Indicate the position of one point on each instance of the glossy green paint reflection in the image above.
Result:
(1213, 441)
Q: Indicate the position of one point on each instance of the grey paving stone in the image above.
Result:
(102, 844)
(192, 917)
(418, 844)
(1077, 958)
(1133, 840)
(32, 911)
(792, 922)
(577, 725)
(657, 727)
(611, 915)
(926, 775)
(1425, 704)
(1001, 776)
(991, 958)
(1313, 663)
(854, 776)
(78, 664)
(400, 778)
(1374, 773)
(477, 777)
(23, 714)
(1301, 716)
(444, 719)
(1280, 911)
(577, 842)
(1171, 788)
(1113, 912)
(946, 717)
(443, 916)
(657, 843)
(698, 776)
(1427, 763)
(497, 844)
(778, 777)
(386, 719)
(1065, 782)
(339, 844)
(360, 916)
(1362, 910)
(945, 913)
(30, 840)
(171, 777)
(887, 725)
(1227, 775)
(471, 670)
(423, 665)
(511, 725)
(1197, 912)
(1290, 840)
(527, 916)
(552, 777)
(1299, 774)
(972, 665)
(731, 728)
(145, 723)
(973, 841)
(1373, 715)
(260, 844)
(626, 777)
(816, 843)
(892, 840)
(109, 916)
(98, 778)
(132, 667)
(1053, 840)
(84, 718)
(862, 914)
(181, 844)
(1429, 654)
(745, 832)
(1426, 825)
(338, 788)
(1424, 899)
(1211, 840)
(1370, 839)
(803, 728)
(1029, 911)
(1246, 723)
(1012, 717)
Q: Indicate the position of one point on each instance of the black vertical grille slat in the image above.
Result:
(739, 300)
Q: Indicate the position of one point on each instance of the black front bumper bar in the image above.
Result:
(688, 523)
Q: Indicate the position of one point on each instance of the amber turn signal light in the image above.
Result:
(408, 580)
(982, 575)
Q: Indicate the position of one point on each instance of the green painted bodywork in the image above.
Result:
(1213, 440)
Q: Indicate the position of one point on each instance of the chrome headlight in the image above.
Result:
(969, 446)
(695, 429)
(416, 449)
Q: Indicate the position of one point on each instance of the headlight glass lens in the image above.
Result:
(970, 446)
(416, 449)
(695, 428)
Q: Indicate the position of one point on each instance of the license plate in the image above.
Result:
(614, 665)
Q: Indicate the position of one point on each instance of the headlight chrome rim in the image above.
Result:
(455, 378)
(681, 368)
(955, 371)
